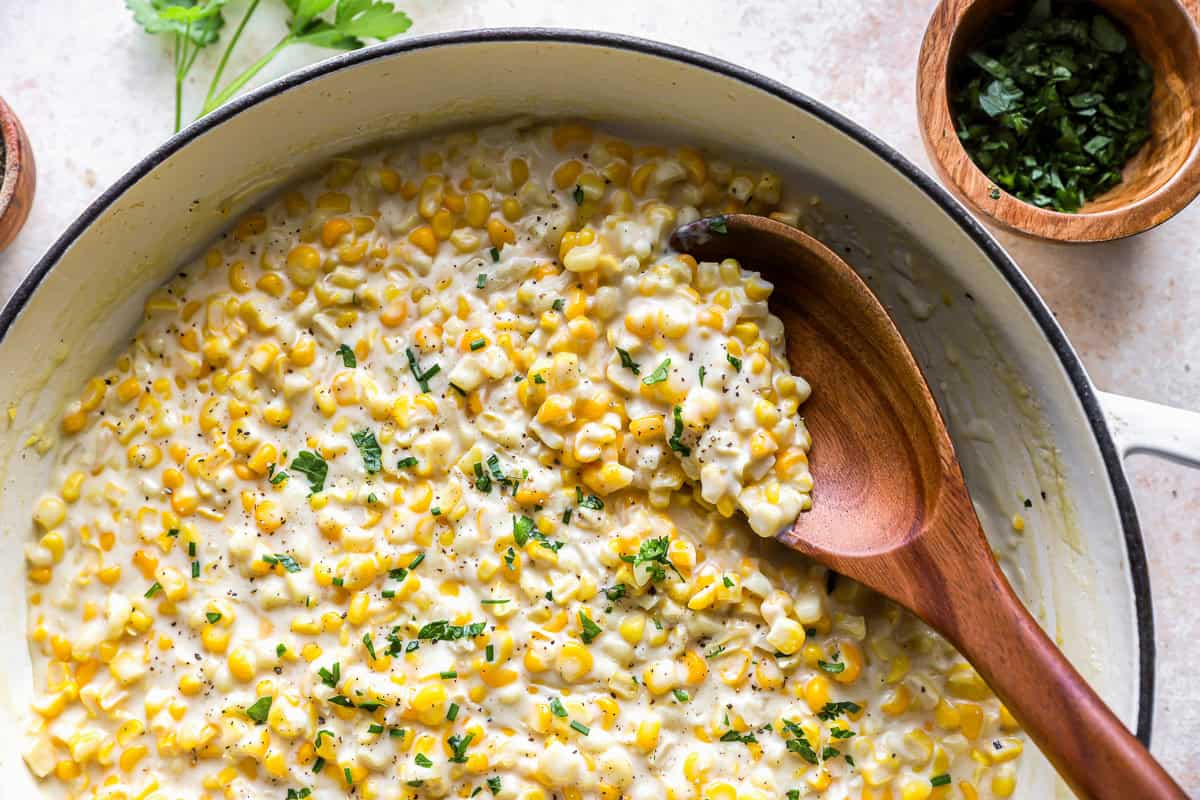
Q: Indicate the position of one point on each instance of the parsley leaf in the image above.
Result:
(660, 373)
(674, 442)
(368, 446)
(628, 363)
(259, 710)
(348, 357)
(313, 467)
(590, 629)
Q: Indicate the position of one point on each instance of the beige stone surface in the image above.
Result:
(95, 94)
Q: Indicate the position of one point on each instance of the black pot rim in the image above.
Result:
(1070, 361)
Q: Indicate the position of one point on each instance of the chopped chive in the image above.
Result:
(557, 708)
(480, 280)
(452, 712)
(154, 589)
(579, 726)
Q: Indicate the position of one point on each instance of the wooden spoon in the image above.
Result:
(891, 509)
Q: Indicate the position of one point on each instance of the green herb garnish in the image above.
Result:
(368, 447)
(590, 629)
(259, 710)
(313, 467)
(660, 373)
(1054, 104)
(348, 357)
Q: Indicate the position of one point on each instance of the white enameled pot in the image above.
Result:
(1034, 435)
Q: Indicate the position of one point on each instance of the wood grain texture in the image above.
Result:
(19, 178)
(891, 509)
(1158, 182)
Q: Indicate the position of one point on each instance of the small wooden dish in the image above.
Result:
(1158, 182)
(19, 176)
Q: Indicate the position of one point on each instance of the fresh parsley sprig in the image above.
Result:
(196, 24)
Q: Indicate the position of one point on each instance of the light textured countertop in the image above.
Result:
(95, 95)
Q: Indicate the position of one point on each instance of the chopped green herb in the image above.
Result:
(280, 649)
(259, 710)
(494, 602)
(490, 653)
(832, 711)
(680, 695)
(660, 373)
(370, 645)
(940, 780)
(154, 589)
(616, 592)
(701, 372)
(832, 667)
(590, 629)
(841, 733)
(312, 467)
(718, 225)
(195, 569)
(1053, 103)
(580, 727)
(589, 501)
(734, 736)
(494, 785)
(716, 651)
(348, 357)
(559, 304)
(557, 708)
(522, 528)
(443, 631)
(330, 677)
(459, 745)
(480, 280)
(318, 764)
(368, 447)
(452, 712)
(737, 362)
(407, 462)
(578, 195)
(628, 363)
(478, 344)
(674, 442)
(349, 776)
(495, 254)
(566, 516)
(422, 378)
(653, 553)
(283, 559)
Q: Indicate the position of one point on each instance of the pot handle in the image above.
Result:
(1139, 426)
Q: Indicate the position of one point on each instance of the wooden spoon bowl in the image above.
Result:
(1159, 181)
(18, 178)
(891, 508)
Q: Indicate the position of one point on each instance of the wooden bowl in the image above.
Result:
(19, 176)
(1158, 182)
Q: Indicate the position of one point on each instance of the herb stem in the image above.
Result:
(237, 34)
(241, 80)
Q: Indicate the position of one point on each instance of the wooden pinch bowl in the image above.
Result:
(19, 177)
(1158, 182)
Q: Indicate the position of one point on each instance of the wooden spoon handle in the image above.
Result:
(1093, 751)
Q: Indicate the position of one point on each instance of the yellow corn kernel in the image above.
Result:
(574, 661)
(424, 238)
(632, 627)
(647, 734)
(303, 265)
(499, 233)
(242, 665)
(567, 173)
(816, 692)
(897, 701)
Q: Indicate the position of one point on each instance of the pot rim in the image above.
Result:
(982, 238)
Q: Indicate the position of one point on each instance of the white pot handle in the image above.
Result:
(1139, 426)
